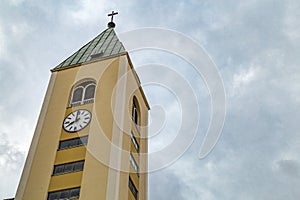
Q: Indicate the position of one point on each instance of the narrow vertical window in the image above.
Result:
(135, 115)
(135, 111)
(134, 163)
(135, 143)
(132, 188)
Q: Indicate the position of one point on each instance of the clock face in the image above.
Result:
(77, 120)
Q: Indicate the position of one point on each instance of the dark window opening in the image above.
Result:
(89, 92)
(133, 188)
(73, 142)
(135, 116)
(68, 167)
(77, 95)
(135, 143)
(134, 163)
(64, 194)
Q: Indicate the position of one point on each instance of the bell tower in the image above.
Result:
(90, 141)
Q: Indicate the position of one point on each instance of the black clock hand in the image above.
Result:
(70, 124)
(77, 113)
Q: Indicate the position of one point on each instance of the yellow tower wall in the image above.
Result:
(95, 179)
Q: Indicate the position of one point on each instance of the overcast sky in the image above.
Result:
(255, 45)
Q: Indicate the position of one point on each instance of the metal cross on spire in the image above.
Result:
(112, 15)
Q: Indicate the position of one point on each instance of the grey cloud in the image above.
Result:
(289, 167)
(166, 185)
(11, 157)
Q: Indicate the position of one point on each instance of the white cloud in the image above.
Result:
(11, 163)
(292, 24)
(244, 77)
(20, 30)
(15, 2)
(2, 42)
(89, 11)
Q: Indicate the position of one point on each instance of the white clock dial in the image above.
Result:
(77, 120)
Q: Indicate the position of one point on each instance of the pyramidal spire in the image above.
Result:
(106, 44)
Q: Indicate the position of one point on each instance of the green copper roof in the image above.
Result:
(106, 44)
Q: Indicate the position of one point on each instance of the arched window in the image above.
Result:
(77, 94)
(83, 93)
(89, 92)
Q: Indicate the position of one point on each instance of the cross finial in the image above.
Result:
(112, 15)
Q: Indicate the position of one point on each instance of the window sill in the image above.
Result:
(75, 104)
(66, 173)
(70, 147)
